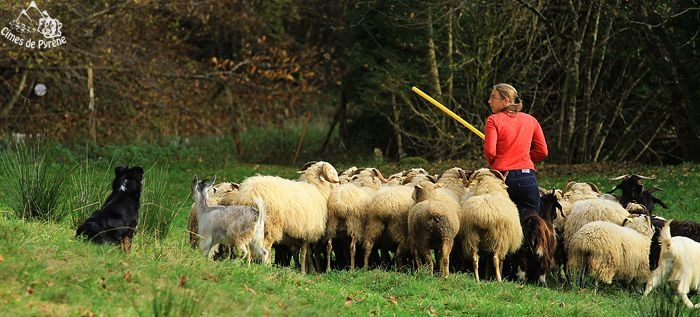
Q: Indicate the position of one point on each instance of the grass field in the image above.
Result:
(45, 271)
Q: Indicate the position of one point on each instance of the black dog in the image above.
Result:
(116, 221)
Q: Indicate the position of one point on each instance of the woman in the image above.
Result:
(513, 142)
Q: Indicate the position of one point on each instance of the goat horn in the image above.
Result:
(643, 177)
(499, 175)
(431, 178)
(307, 165)
(568, 186)
(379, 175)
(654, 189)
(594, 187)
(619, 177)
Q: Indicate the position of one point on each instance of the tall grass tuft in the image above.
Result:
(664, 302)
(35, 186)
(158, 207)
(86, 195)
(166, 304)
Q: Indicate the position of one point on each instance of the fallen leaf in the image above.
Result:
(127, 276)
(249, 289)
(393, 300)
(2, 259)
(103, 282)
(348, 301)
(183, 281)
(432, 311)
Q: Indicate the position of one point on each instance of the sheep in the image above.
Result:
(387, 216)
(296, 210)
(677, 266)
(589, 210)
(634, 191)
(241, 227)
(571, 193)
(607, 251)
(433, 223)
(489, 220)
(218, 193)
(347, 209)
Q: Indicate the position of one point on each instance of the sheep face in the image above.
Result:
(319, 171)
(640, 223)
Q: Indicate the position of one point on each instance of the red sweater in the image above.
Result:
(513, 141)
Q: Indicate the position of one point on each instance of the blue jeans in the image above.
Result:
(523, 189)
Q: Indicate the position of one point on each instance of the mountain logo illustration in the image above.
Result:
(33, 20)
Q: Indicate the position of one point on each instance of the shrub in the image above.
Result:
(158, 205)
(35, 186)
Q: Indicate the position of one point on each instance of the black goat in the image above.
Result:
(633, 191)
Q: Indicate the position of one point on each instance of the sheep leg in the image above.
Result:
(329, 250)
(475, 261)
(445, 257)
(497, 265)
(302, 256)
(353, 246)
(374, 229)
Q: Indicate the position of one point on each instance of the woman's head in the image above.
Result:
(504, 97)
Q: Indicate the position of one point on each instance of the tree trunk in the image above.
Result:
(432, 59)
(11, 103)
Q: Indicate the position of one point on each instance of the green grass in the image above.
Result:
(44, 270)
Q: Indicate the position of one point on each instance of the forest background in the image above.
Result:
(608, 80)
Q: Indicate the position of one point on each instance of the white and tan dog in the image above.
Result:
(678, 265)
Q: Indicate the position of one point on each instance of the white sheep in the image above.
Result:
(347, 208)
(589, 210)
(607, 251)
(241, 227)
(387, 215)
(489, 220)
(296, 210)
(678, 265)
(433, 223)
(571, 193)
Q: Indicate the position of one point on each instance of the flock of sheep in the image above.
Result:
(462, 220)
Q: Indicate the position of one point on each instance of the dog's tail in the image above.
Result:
(257, 243)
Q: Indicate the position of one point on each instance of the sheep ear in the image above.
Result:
(329, 173)
(235, 185)
(194, 180)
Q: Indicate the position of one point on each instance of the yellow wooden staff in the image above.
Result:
(448, 111)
